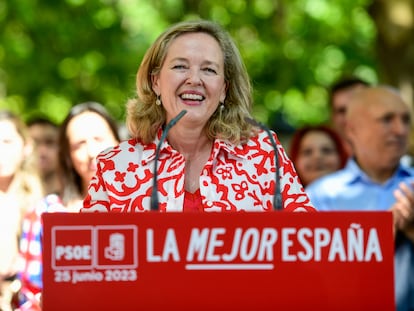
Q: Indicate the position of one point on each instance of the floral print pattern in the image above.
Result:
(235, 178)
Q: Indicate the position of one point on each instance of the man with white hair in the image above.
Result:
(378, 124)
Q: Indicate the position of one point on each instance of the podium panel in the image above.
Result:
(218, 261)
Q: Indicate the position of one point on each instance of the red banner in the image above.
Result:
(218, 261)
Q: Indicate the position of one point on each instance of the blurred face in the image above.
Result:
(88, 134)
(317, 156)
(340, 102)
(192, 78)
(379, 127)
(45, 137)
(12, 149)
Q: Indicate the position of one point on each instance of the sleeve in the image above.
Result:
(294, 197)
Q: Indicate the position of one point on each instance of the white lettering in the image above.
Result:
(59, 251)
(197, 244)
(235, 248)
(322, 239)
(76, 252)
(355, 242)
(287, 243)
(351, 248)
(248, 243)
(268, 240)
(214, 243)
(373, 246)
(170, 247)
(337, 246)
(251, 244)
(151, 257)
(88, 276)
(307, 254)
(250, 237)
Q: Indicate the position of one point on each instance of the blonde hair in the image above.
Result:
(26, 185)
(144, 117)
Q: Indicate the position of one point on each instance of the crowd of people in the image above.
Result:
(192, 131)
(377, 127)
(43, 168)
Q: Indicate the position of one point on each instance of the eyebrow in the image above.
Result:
(207, 62)
(392, 114)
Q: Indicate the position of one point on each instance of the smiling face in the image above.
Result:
(317, 156)
(192, 78)
(88, 134)
(378, 126)
(12, 148)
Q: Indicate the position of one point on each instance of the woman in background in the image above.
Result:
(316, 151)
(87, 130)
(20, 187)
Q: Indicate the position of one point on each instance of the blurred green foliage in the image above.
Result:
(57, 53)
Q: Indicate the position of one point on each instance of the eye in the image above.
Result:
(99, 139)
(210, 70)
(387, 118)
(328, 150)
(406, 119)
(76, 145)
(306, 152)
(7, 141)
(340, 111)
(179, 67)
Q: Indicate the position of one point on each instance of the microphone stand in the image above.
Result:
(277, 198)
(154, 193)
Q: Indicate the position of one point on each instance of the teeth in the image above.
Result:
(192, 96)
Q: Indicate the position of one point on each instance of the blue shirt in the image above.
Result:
(350, 189)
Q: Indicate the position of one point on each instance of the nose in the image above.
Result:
(194, 76)
(317, 155)
(401, 127)
(93, 148)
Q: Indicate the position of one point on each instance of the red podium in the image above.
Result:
(218, 261)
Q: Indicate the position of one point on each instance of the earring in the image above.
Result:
(158, 100)
(221, 109)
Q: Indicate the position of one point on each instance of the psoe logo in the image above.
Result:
(72, 247)
(116, 247)
(100, 247)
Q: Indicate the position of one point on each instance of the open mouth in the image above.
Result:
(191, 96)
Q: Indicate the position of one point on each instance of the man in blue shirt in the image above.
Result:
(378, 125)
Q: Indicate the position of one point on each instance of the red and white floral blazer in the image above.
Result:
(235, 178)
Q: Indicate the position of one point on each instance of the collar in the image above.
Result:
(353, 172)
(240, 151)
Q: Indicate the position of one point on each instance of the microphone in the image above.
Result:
(277, 198)
(154, 193)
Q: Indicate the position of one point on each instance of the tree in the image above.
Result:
(394, 20)
(54, 54)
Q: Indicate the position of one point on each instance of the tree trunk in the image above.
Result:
(394, 21)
